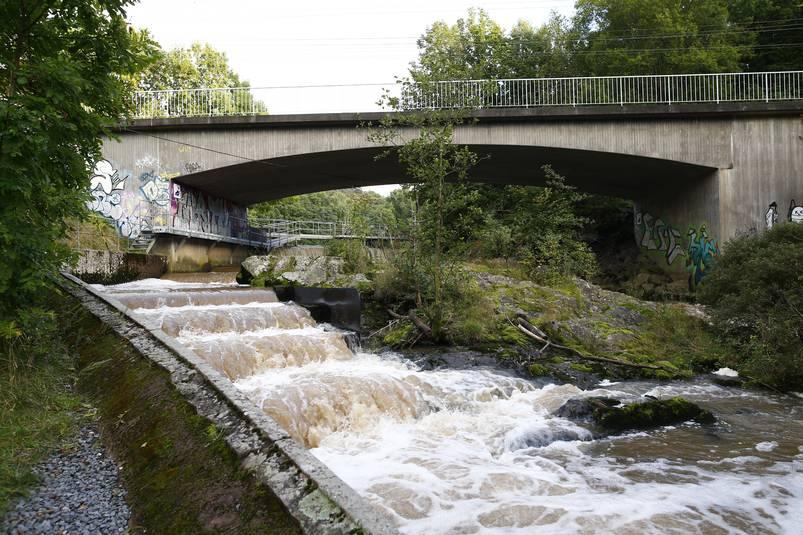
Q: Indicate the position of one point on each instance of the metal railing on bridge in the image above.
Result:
(262, 233)
(318, 230)
(503, 93)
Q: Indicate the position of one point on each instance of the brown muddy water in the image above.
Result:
(477, 450)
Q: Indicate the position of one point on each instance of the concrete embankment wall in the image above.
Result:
(110, 267)
(287, 474)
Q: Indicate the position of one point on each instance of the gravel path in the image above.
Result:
(80, 494)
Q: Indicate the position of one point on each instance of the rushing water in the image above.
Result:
(477, 451)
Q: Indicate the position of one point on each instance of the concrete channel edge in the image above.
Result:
(319, 500)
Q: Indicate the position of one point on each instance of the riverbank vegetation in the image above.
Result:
(756, 300)
(39, 408)
(70, 62)
(62, 71)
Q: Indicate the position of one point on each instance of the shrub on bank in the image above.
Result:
(756, 299)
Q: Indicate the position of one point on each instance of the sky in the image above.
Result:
(317, 42)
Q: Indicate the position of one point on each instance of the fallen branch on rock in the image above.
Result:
(537, 334)
(425, 329)
(383, 329)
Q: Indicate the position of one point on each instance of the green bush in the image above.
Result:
(756, 299)
(548, 228)
(355, 255)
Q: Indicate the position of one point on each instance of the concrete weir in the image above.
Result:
(312, 494)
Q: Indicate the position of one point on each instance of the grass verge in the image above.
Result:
(39, 411)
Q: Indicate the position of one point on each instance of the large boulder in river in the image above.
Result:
(303, 269)
(585, 409)
(610, 418)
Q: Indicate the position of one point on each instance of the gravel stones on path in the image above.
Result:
(80, 493)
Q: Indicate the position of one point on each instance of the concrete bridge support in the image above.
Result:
(187, 255)
(685, 226)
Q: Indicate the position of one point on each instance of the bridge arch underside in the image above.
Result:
(633, 177)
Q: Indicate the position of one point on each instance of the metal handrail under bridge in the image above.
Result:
(318, 230)
(262, 233)
(500, 93)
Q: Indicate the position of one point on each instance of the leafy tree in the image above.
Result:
(61, 90)
(473, 48)
(656, 37)
(756, 300)
(198, 67)
(436, 167)
(548, 229)
(777, 44)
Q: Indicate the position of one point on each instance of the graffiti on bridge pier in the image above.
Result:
(698, 248)
(655, 235)
(794, 215)
(153, 200)
(112, 200)
(702, 254)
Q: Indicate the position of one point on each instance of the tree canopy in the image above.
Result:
(610, 37)
(62, 65)
(366, 208)
(198, 67)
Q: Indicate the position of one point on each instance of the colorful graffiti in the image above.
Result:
(702, 254)
(155, 201)
(111, 199)
(655, 235)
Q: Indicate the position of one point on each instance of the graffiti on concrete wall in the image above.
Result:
(771, 216)
(655, 235)
(702, 254)
(794, 215)
(154, 189)
(698, 248)
(795, 212)
(199, 212)
(153, 200)
(112, 199)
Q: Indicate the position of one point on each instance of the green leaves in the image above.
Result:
(756, 298)
(61, 75)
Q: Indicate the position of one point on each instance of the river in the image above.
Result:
(477, 450)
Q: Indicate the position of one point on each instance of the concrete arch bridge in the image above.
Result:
(699, 171)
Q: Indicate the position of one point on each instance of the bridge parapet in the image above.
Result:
(498, 93)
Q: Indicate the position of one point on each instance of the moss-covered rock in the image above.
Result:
(594, 321)
(608, 417)
(538, 370)
(398, 335)
(654, 413)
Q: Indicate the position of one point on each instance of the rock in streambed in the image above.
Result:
(608, 416)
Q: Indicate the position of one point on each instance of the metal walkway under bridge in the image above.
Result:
(479, 94)
(262, 233)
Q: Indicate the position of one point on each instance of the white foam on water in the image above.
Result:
(607, 382)
(478, 451)
(185, 308)
(726, 372)
(766, 446)
(199, 337)
(468, 471)
(150, 285)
